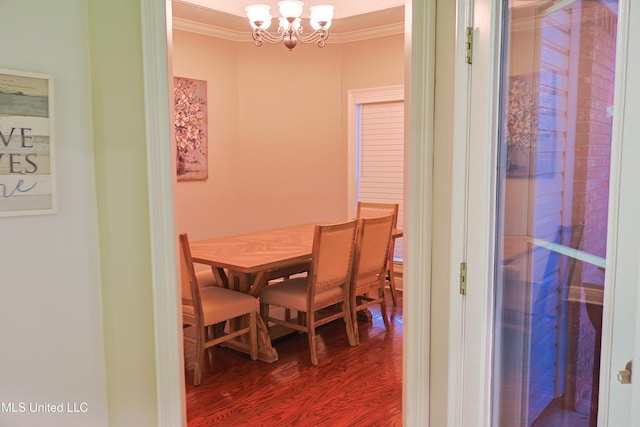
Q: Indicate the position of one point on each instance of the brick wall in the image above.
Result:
(591, 180)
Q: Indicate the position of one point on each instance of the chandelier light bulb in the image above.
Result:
(259, 16)
(322, 13)
(284, 24)
(290, 8)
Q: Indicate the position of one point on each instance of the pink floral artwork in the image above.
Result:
(521, 123)
(190, 124)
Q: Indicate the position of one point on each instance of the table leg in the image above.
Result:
(266, 352)
(363, 315)
(220, 276)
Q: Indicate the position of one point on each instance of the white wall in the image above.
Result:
(52, 343)
(277, 129)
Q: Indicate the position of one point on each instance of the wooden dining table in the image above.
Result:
(247, 262)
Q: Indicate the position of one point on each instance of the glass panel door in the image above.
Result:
(557, 90)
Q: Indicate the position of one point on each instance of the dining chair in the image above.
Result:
(205, 307)
(370, 268)
(322, 296)
(376, 210)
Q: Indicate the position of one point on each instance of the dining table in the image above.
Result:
(247, 262)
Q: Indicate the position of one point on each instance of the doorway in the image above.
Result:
(305, 138)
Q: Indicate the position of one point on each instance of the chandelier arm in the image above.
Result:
(259, 36)
(318, 36)
(290, 36)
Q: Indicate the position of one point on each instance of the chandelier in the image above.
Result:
(290, 30)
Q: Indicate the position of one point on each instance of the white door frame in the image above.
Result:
(156, 37)
(419, 96)
(471, 316)
(420, 43)
(472, 235)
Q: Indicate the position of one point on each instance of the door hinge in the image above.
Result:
(468, 46)
(463, 278)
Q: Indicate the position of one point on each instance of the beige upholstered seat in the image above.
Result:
(376, 210)
(203, 307)
(327, 285)
(372, 249)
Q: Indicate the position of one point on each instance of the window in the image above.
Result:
(376, 139)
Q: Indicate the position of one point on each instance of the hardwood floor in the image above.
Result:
(351, 386)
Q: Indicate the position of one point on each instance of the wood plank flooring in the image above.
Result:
(351, 386)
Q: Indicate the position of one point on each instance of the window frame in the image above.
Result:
(358, 97)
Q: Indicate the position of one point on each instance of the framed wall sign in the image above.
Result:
(27, 175)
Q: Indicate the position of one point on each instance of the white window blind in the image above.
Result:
(380, 169)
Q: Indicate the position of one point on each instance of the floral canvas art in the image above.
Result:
(521, 124)
(190, 124)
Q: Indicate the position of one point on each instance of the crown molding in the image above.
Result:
(368, 33)
(342, 10)
(210, 30)
(245, 36)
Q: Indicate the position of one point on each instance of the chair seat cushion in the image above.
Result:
(220, 304)
(293, 294)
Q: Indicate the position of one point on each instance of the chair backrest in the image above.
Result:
(376, 210)
(372, 248)
(333, 256)
(188, 281)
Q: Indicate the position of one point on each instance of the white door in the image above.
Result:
(551, 218)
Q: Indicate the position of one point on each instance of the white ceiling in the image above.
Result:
(353, 19)
(342, 8)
